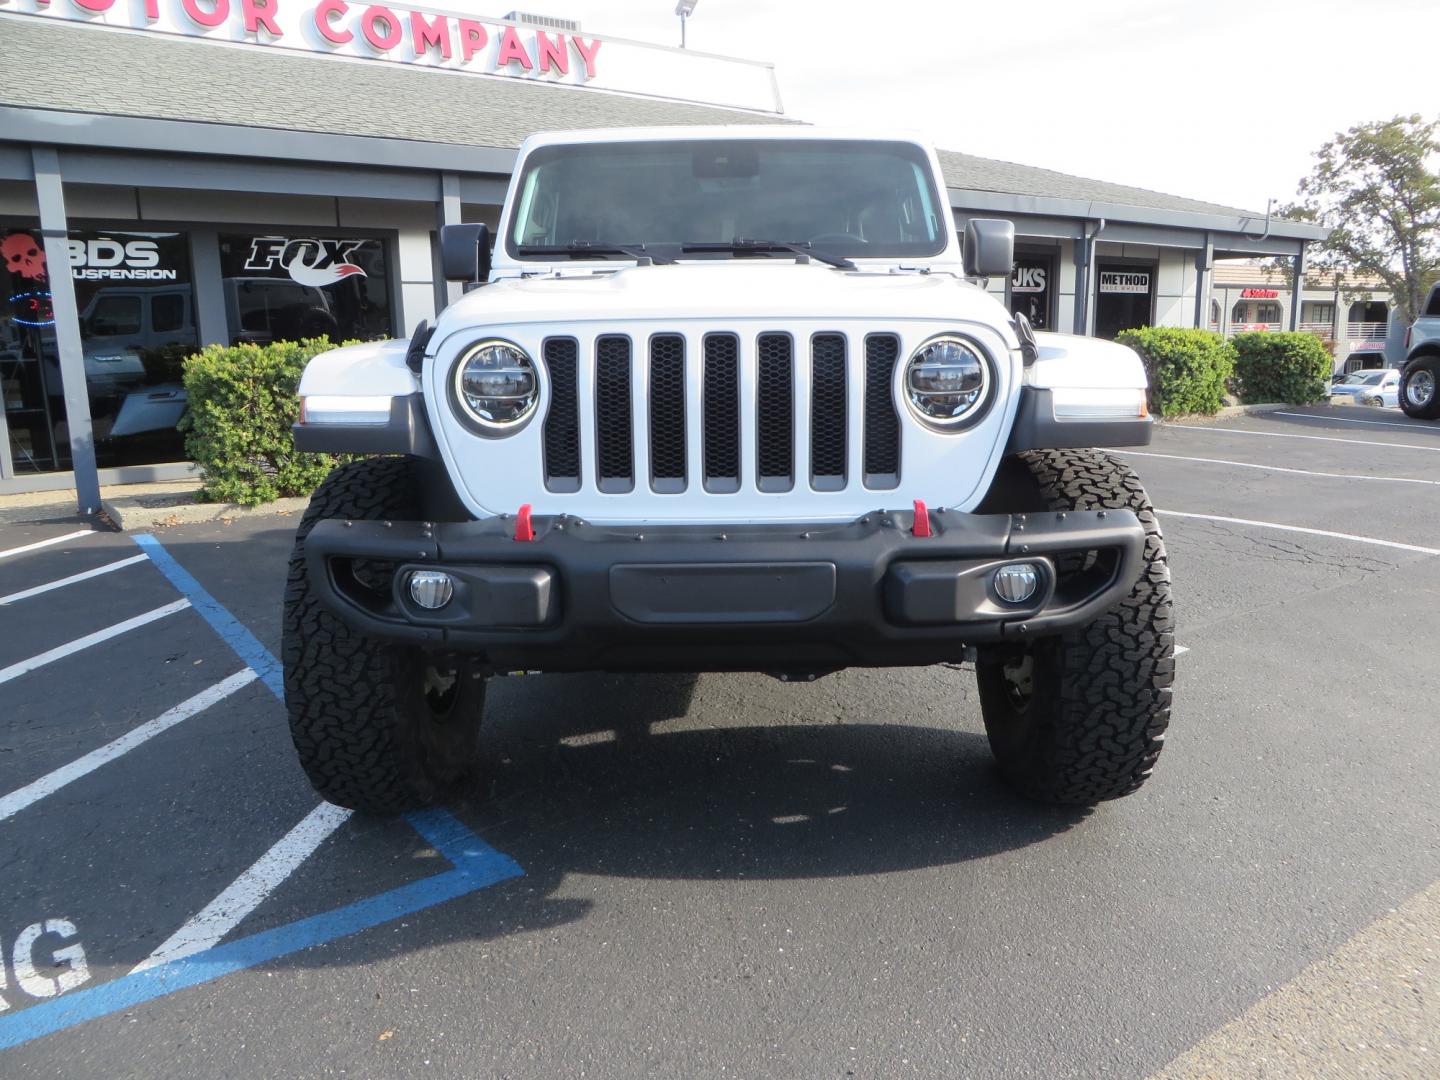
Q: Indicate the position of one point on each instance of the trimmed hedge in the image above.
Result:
(1281, 366)
(1187, 369)
(242, 403)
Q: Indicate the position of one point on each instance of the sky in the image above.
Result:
(1220, 100)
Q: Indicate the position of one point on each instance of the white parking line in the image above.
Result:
(78, 534)
(14, 671)
(1272, 468)
(1291, 435)
(25, 594)
(1352, 420)
(1302, 529)
(208, 926)
(52, 782)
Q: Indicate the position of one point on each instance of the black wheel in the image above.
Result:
(1081, 717)
(379, 727)
(1418, 388)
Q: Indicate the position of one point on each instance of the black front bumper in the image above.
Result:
(725, 598)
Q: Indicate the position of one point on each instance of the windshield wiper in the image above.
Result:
(803, 247)
(579, 249)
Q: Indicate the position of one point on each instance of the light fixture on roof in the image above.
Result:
(685, 8)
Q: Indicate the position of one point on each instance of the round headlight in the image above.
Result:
(946, 381)
(496, 386)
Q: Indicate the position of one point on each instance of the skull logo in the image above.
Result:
(23, 256)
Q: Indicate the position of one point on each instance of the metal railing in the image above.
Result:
(1355, 331)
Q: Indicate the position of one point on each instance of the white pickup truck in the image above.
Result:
(1421, 374)
(725, 399)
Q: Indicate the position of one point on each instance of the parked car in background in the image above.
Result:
(1355, 385)
(1384, 391)
(1418, 379)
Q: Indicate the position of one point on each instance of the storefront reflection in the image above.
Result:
(136, 299)
(137, 325)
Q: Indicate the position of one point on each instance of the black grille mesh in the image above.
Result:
(827, 406)
(722, 407)
(612, 412)
(775, 407)
(882, 423)
(667, 407)
(562, 423)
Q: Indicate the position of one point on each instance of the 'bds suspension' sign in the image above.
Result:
(435, 38)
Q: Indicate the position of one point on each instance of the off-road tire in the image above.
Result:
(369, 734)
(1094, 721)
(1430, 410)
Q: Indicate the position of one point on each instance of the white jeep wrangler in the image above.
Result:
(725, 399)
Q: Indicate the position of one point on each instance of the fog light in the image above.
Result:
(1017, 582)
(431, 589)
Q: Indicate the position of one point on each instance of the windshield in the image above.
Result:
(847, 198)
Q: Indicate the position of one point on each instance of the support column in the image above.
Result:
(447, 212)
(55, 228)
(1084, 259)
(1297, 297)
(211, 324)
(1204, 281)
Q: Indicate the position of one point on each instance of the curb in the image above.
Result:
(132, 514)
(1228, 412)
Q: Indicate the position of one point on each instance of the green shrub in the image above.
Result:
(1187, 369)
(242, 403)
(1290, 367)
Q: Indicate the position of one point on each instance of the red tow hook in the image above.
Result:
(921, 527)
(524, 530)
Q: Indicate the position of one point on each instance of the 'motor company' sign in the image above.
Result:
(435, 39)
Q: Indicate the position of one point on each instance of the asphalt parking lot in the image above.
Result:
(731, 876)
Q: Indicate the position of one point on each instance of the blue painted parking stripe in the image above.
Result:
(235, 633)
(477, 867)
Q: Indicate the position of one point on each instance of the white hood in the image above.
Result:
(769, 289)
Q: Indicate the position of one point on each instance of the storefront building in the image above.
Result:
(179, 173)
(1352, 311)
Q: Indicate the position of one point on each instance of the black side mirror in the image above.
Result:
(465, 252)
(989, 247)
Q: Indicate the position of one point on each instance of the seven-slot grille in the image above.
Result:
(758, 438)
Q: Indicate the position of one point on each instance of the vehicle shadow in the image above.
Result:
(598, 775)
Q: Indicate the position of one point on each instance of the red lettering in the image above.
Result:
(511, 51)
(258, 13)
(201, 17)
(472, 38)
(370, 23)
(95, 5)
(152, 9)
(326, 12)
(552, 53)
(587, 53)
(427, 35)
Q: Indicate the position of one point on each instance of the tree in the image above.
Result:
(1377, 187)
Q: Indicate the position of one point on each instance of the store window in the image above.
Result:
(133, 292)
(283, 288)
(1267, 313)
(1032, 289)
(1124, 298)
